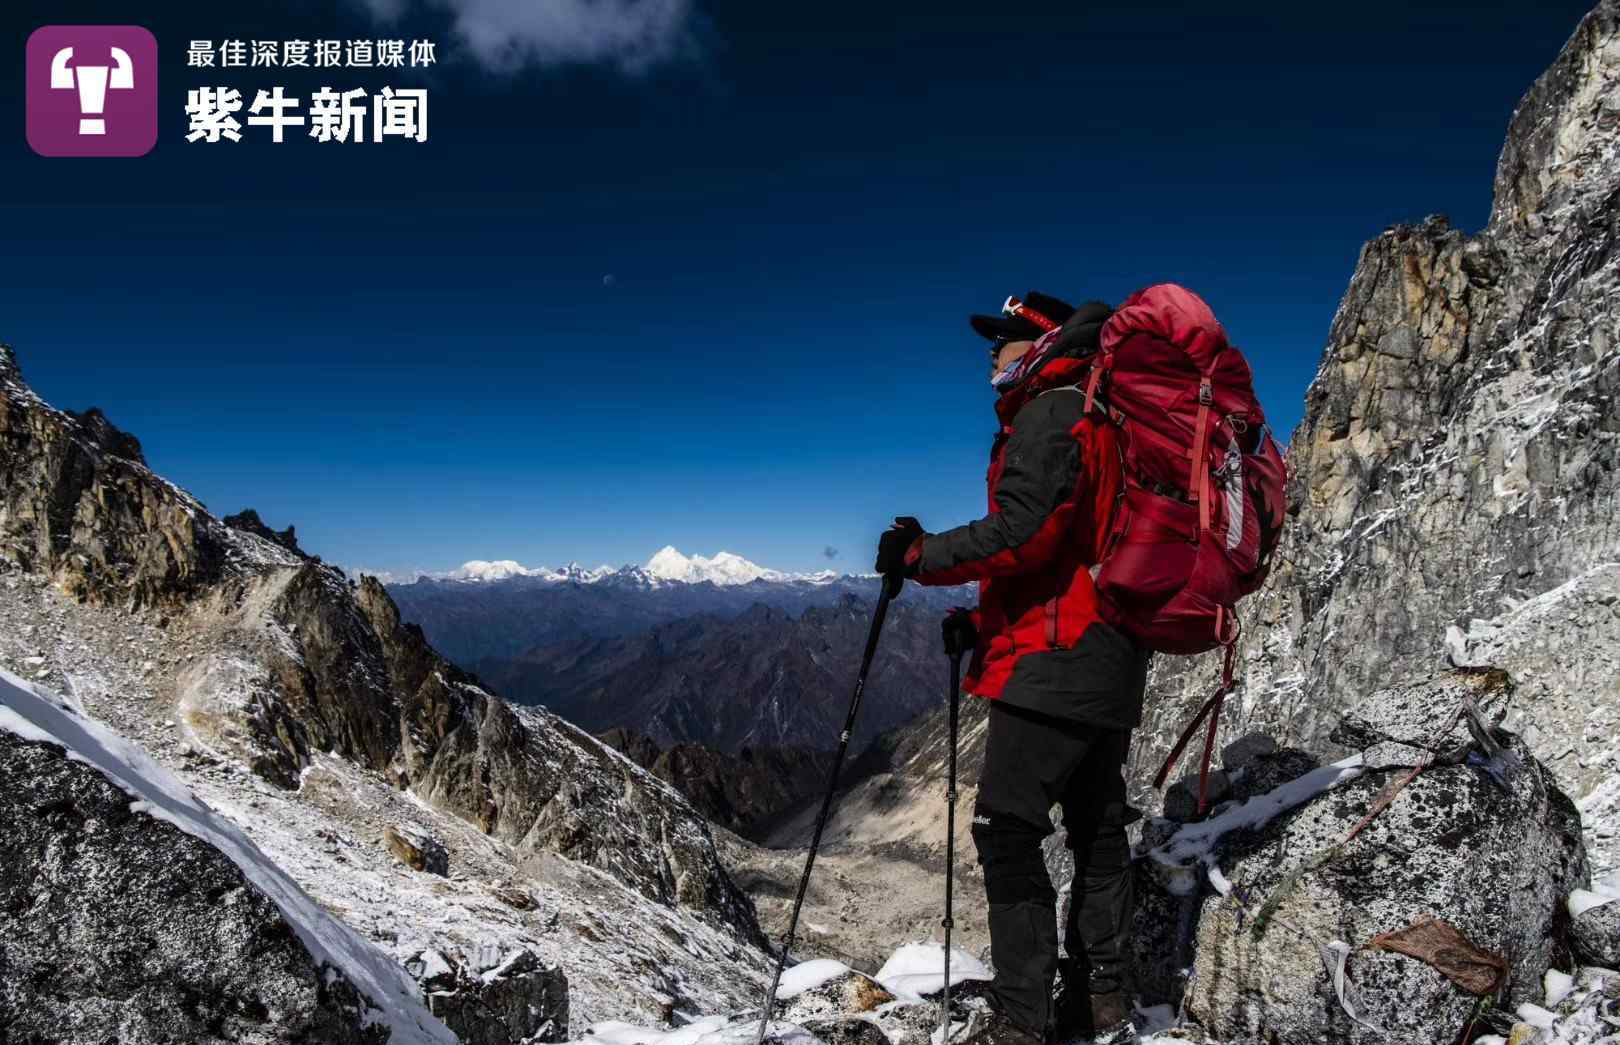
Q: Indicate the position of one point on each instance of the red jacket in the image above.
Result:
(1053, 480)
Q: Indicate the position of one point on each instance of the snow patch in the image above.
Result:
(917, 969)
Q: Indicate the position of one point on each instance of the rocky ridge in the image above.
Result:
(287, 693)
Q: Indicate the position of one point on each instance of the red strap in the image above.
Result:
(1051, 622)
(1211, 709)
(1097, 369)
(1198, 481)
(1186, 735)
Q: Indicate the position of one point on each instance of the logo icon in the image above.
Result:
(92, 90)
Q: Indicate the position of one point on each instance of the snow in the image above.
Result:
(1583, 900)
(33, 714)
(480, 570)
(917, 969)
(1535, 1015)
(1557, 985)
(725, 568)
(1194, 844)
(808, 976)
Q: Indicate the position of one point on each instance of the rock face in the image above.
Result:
(104, 912)
(1460, 451)
(1489, 845)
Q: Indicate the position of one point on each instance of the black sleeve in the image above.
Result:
(1040, 470)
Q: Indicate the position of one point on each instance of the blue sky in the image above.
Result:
(411, 351)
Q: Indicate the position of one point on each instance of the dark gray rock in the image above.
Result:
(1245, 749)
(116, 926)
(1595, 936)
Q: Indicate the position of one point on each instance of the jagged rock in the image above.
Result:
(78, 505)
(1594, 935)
(248, 519)
(1458, 458)
(417, 849)
(1492, 860)
(117, 926)
(106, 436)
(517, 1001)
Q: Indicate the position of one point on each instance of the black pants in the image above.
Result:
(1031, 762)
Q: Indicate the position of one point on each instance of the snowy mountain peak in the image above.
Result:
(725, 568)
(480, 570)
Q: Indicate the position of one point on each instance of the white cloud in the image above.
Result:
(506, 35)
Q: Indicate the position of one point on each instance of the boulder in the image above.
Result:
(1262, 900)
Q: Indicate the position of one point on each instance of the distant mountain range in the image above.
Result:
(666, 565)
(718, 652)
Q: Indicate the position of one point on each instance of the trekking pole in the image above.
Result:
(891, 588)
(955, 656)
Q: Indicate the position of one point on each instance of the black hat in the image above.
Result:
(1014, 327)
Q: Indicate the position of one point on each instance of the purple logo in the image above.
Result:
(92, 90)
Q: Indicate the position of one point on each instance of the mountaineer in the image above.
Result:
(1067, 686)
(1136, 495)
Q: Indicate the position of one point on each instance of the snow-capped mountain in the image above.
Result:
(667, 566)
(725, 568)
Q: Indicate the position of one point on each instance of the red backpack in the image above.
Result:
(1204, 497)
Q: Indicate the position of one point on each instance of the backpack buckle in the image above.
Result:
(1206, 394)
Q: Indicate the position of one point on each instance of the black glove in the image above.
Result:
(893, 545)
(960, 634)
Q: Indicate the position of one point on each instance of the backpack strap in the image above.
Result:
(1198, 484)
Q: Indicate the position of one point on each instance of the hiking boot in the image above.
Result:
(997, 1029)
(1111, 1019)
